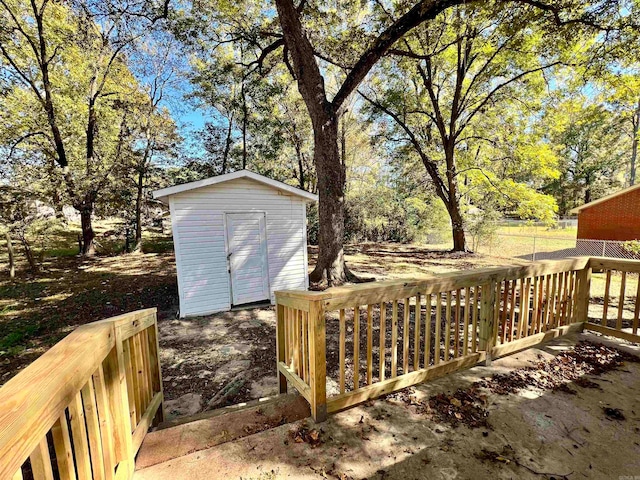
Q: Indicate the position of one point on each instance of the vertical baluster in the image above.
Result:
(383, 340)
(427, 330)
(369, 344)
(496, 311)
(447, 330)
(438, 336)
(144, 352)
(541, 311)
(565, 298)
(106, 424)
(636, 312)
(512, 313)
(474, 319)
(131, 395)
(605, 308)
(394, 339)
(571, 298)
(285, 335)
(623, 287)
(356, 348)
(558, 304)
(41, 462)
(416, 333)
(527, 308)
(93, 430)
(505, 311)
(547, 302)
(79, 432)
(62, 447)
(134, 348)
(465, 338)
(304, 353)
(405, 336)
(343, 339)
(456, 325)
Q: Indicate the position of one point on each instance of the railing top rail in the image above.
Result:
(36, 397)
(374, 292)
(627, 265)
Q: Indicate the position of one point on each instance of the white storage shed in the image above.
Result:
(237, 237)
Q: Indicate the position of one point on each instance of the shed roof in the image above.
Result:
(164, 193)
(605, 198)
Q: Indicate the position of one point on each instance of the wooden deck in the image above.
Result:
(85, 407)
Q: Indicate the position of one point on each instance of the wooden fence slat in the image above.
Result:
(605, 307)
(427, 330)
(447, 330)
(394, 339)
(41, 461)
(131, 395)
(636, 312)
(62, 447)
(93, 430)
(512, 313)
(79, 436)
(474, 319)
(343, 340)
(416, 333)
(304, 341)
(148, 382)
(405, 335)
(558, 307)
(356, 348)
(456, 325)
(369, 344)
(383, 340)
(138, 378)
(438, 336)
(504, 316)
(106, 424)
(623, 291)
(571, 297)
(465, 336)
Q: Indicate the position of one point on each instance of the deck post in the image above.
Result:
(487, 319)
(317, 360)
(584, 294)
(116, 382)
(280, 345)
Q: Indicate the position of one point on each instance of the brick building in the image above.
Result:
(614, 217)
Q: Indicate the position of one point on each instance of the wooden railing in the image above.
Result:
(614, 307)
(83, 408)
(349, 344)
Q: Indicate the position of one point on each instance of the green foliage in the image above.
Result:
(632, 246)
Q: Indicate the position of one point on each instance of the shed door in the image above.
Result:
(247, 251)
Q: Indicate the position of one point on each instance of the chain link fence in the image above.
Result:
(534, 247)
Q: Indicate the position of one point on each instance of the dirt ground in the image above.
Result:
(588, 429)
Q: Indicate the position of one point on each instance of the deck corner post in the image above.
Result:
(116, 382)
(318, 361)
(280, 345)
(487, 320)
(584, 294)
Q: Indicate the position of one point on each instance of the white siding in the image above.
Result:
(199, 237)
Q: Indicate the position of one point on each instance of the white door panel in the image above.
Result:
(247, 250)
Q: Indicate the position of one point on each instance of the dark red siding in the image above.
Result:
(615, 219)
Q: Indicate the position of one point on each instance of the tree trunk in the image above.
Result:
(12, 257)
(86, 213)
(634, 146)
(330, 268)
(29, 254)
(457, 228)
(139, 197)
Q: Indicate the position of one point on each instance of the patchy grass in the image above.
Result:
(37, 311)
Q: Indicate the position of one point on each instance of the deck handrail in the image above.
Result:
(79, 390)
(495, 311)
